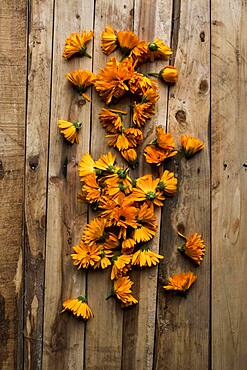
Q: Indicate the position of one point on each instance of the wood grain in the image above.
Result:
(229, 185)
(13, 21)
(182, 331)
(64, 335)
(37, 129)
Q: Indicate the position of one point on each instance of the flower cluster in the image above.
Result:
(119, 237)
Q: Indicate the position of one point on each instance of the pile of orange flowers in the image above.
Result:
(120, 236)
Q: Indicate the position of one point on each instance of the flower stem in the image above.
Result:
(181, 235)
(154, 74)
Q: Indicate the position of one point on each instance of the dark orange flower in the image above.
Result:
(146, 224)
(191, 145)
(76, 44)
(127, 40)
(111, 120)
(81, 80)
(146, 190)
(194, 247)
(181, 282)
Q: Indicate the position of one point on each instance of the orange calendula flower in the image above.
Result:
(168, 183)
(146, 190)
(91, 190)
(158, 50)
(128, 245)
(76, 44)
(106, 162)
(140, 53)
(191, 145)
(165, 140)
(111, 82)
(85, 255)
(146, 224)
(154, 155)
(122, 175)
(114, 187)
(95, 233)
(145, 257)
(79, 307)
(69, 130)
(130, 155)
(81, 80)
(111, 120)
(108, 40)
(104, 261)
(121, 265)
(86, 166)
(169, 74)
(127, 40)
(142, 112)
(140, 83)
(181, 282)
(194, 247)
(122, 290)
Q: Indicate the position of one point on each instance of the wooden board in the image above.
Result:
(37, 135)
(64, 335)
(229, 185)
(13, 22)
(182, 333)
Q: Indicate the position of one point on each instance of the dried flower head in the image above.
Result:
(79, 307)
(76, 44)
(70, 130)
(181, 282)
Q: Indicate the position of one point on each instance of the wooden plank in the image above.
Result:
(13, 22)
(229, 184)
(151, 19)
(182, 337)
(64, 335)
(104, 333)
(37, 131)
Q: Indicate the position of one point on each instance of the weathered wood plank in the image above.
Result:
(182, 337)
(13, 22)
(37, 130)
(103, 348)
(151, 19)
(63, 335)
(229, 185)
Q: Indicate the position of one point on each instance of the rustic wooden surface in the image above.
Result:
(41, 218)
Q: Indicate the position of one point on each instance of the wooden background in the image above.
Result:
(40, 218)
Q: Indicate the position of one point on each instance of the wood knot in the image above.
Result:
(1, 170)
(34, 162)
(203, 87)
(180, 116)
(77, 16)
(202, 36)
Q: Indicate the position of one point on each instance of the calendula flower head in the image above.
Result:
(127, 40)
(122, 290)
(168, 183)
(86, 166)
(70, 130)
(115, 186)
(145, 257)
(158, 50)
(142, 112)
(111, 82)
(181, 282)
(81, 80)
(191, 145)
(146, 224)
(109, 41)
(122, 175)
(146, 190)
(95, 233)
(128, 245)
(106, 163)
(161, 148)
(194, 247)
(85, 255)
(140, 83)
(165, 140)
(140, 53)
(111, 120)
(104, 262)
(154, 155)
(76, 44)
(79, 307)
(127, 139)
(150, 96)
(130, 155)
(121, 265)
(91, 190)
(169, 74)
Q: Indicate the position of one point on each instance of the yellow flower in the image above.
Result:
(95, 233)
(181, 282)
(169, 74)
(122, 175)
(121, 265)
(76, 44)
(127, 40)
(111, 82)
(108, 40)
(85, 255)
(86, 166)
(191, 145)
(106, 162)
(140, 53)
(142, 112)
(165, 140)
(134, 135)
(146, 224)
(168, 183)
(128, 245)
(81, 80)
(130, 155)
(194, 247)
(69, 130)
(91, 190)
(140, 83)
(79, 307)
(146, 190)
(111, 120)
(104, 261)
(114, 186)
(122, 290)
(158, 50)
(150, 96)
(145, 257)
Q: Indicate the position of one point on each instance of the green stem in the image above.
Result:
(154, 74)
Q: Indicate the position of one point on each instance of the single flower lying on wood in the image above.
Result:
(181, 282)
(76, 44)
(122, 290)
(194, 247)
(191, 145)
(79, 307)
(70, 130)
(81, 80)
(145, 257)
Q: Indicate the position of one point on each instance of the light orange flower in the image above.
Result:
(127, 40)
(165, 140)
(194, 247)
(91, 190)
(95, 233)
(146, 224)
(145, 257)
(130, 155)
(76, 44)
(154, 155)
(142, 112)
(168, 183)
(121, 265)
(111, 120)
(181, 282)
(169, 74)
(86, 166)
(146, 190)
(81, 80)
(140, 53)
(79, 307)
(158, 50)
(191, 145)
(108, 40)
(69, 130)
(140, 83)
(85, 255)
(122, 290)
